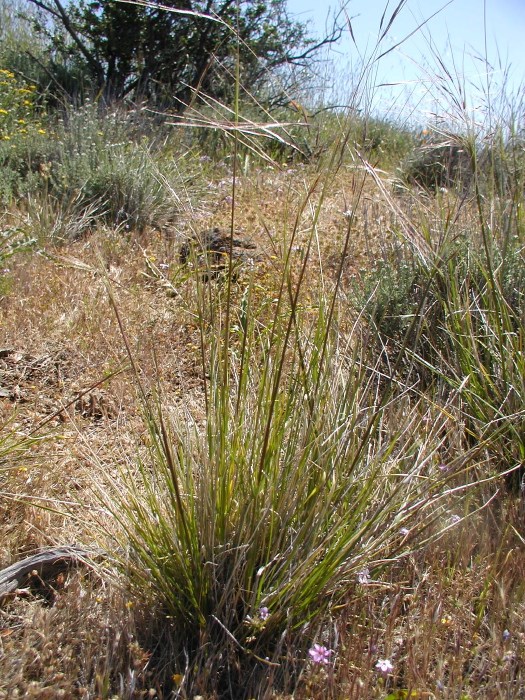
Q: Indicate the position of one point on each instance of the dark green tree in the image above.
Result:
(164, 53)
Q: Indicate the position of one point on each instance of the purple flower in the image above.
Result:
(506, 635)
(320, 654)
(264, 613)
(384, 666)
(363, 577)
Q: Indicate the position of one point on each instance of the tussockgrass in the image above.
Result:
(242, 535)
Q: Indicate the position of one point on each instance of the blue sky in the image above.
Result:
(457, 33)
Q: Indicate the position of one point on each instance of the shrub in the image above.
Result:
(384, 143)
(24, 140)
(105, 163)
(438, 164)
(502, 161)
(485, 324)
(455, 319)
(399, 300)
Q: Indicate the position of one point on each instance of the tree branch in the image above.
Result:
(62, 15)
(45, 7)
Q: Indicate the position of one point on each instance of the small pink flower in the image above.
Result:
(320, 654)
(384, 666)
(264, 613)
(363, 577)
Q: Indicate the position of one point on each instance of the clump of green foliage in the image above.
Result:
(24, 142)
(242, 535)
(101, 162)
(385, 143)
(408, 300)
(437, 163)
(448, 315)
(502, 161)
(97, 165)
(164, 55)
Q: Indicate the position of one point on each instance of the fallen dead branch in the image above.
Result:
(38, 570)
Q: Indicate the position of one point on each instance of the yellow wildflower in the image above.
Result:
(4, 111)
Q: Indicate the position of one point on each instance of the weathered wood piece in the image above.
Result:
(47, 565)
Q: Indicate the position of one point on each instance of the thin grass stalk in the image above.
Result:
(293, 298)
(225, 376)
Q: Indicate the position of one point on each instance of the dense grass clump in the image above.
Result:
(244, 535)
(438, 164)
